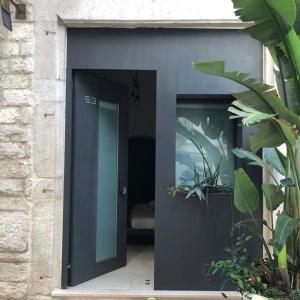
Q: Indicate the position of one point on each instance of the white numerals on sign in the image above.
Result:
(90, 100)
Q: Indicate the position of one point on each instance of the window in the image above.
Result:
(204, 125)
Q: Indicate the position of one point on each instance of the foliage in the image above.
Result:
(295, 295)
(246, 276)
(275, 114)
(202, 184)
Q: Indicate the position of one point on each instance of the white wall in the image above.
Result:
(146, 9)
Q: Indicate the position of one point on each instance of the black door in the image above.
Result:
(99, 177)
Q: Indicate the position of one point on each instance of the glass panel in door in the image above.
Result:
(107, 188)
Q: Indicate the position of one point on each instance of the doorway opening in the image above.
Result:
(135, 269)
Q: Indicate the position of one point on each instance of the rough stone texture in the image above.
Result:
(17, 62)
(14, 272)
(12, 290)
(13, 231)
(11, 187)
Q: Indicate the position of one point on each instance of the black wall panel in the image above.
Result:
(169, 52)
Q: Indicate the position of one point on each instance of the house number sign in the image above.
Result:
(90, 100)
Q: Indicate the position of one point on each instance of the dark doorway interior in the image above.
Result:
(141, 152)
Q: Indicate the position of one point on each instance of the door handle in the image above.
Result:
(123, 191)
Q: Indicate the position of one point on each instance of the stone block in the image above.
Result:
(42, 238)
(45, 43)
(4, 68)
(13, 204)
(15, 81)
(14, 272)
(14, 168)
(14, 257)
(41, 286)
(43, 189)
(27, 48)
(8, 49)
(45, 90)
(13, 290)
(22, 32)
(25, 115)
(11, 187)
(21, 65)
(13, 150)
(17, 97)
(15, 133)
(45, 10)
(44, 141)
(13, 231)
(8, 115)
(42, 248)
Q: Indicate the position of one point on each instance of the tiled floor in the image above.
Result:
(137, 275)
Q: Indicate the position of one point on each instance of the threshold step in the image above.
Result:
(63, 294)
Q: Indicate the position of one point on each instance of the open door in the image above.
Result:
(99, 177)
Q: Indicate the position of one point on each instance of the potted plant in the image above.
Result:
(276, 116)
(202, 186)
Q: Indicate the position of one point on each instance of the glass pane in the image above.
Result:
(107, 189)
(208, 127)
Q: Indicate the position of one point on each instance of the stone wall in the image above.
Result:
(28, 106)
(16, 129)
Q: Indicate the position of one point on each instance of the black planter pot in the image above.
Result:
(206, 229)
(197, 235)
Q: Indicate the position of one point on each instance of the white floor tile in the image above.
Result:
(138, 275)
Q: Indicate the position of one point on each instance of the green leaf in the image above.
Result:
(190, 193)
(285, 225)
(274, 196)
(276, 159)
(199, 193)
(244, 154)
(268, 135)
(273, 19)
(263, 94)
(246, 197)
(288, 131)
(273, 25)
(248, 114)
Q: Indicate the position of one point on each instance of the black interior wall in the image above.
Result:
(170, 53)
(141, 116)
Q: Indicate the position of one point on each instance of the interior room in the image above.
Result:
(138, 274)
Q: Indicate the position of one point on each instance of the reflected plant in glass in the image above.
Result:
(204, 138)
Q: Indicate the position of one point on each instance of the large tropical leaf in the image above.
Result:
(248, 114)
(276, 159)
(246, 197)
(264, 95)
(244, 154)
(285, 225)
(268, 135)
(273, 25)
(273, 195)
(267, 15)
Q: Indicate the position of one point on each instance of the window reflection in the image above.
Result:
(207, 126)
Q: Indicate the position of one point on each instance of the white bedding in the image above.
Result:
(142, 216)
